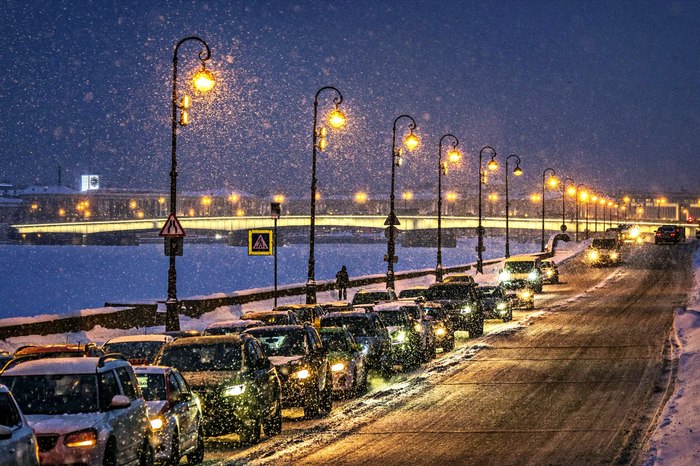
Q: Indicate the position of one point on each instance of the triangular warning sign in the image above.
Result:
(172, 227)
(260, 244)
(389, 219)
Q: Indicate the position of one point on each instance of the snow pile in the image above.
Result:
(676, 439)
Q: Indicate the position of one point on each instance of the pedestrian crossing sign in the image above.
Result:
(260, 242)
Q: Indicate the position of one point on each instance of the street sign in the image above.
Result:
(387, 232)
(260, 242)
(386, 258)
(173, 245)
(389, 218)
(172, 228)
(563, 227)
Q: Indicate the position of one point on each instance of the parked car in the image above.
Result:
(302, 364)
(550, 271)
(18, 445)
(306, 313)
(138, 349)
(604, 251)
(86, 411)
(59, 351)
(669, 234)
(373, 297)
(421, 329)
(521, 272)
(406, 348)
(461, 302)
(174, 413)
(413, 292)
(273, 317)
(443, 327)
(495, 303)
(237, 385)
(232, 327)
(348, 362)
(368, 330)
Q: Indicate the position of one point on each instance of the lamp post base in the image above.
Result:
(439, 271)
(390, 280)
(311, 292)
(172, 317)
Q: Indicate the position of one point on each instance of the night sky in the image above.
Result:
(604, 92)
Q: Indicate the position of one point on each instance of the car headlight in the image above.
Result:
(524, 294)
(234, 390)
(440, 330)
(399, 337)
(614, 255)
(338, 366)
(593, 255)
(82, 439)
(504, 276)
(157, 423)
(533, 276)
(466, 310)
(501, 306)
(302, 374)
(417, 327)
(550, 272)
(634, 232)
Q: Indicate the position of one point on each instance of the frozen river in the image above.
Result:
(58, 279)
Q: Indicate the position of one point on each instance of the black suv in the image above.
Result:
(237, 385)
(669, 234)
(368, 330)
(302, 364)
(461, 302)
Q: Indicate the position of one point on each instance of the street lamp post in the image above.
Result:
(492, 165)
(203, 82)
(411, 142)
(453, 156)
(336, 119)
(552, 183)
(579, 195)
(563, 203)
(517, 172)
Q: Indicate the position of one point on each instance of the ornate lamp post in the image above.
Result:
(580, 196)
(203, 81)
(517, 172)
(563, 201)
(594, 199)
(410, 142)
(492, 165)
(336, 119)
(552, 183)
(453, 156)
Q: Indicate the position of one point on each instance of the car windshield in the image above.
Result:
(604, 243)
(199, 358)
(152, 386)
(335, 341)
(54, 393)
(393, 318)
(282, 343)
(135, 349)
(358, 326)
(229, 330)
(491, 292)
(435, 312)
(272, 319)
(8, 412)
(414, 293)
(370, 297)
(519, 266)
(449, 292)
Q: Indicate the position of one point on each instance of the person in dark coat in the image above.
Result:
(342, 279)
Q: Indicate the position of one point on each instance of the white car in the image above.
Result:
(18, 445)
(138, 349)
(86, 411)
(175, 414)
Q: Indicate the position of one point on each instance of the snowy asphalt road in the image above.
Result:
(577, 384)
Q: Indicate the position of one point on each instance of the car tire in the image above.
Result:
(273, 425)
(362, 384)
(312, 403)
(110, 458)
(508, 316)
(326, 401)
(477, 330)
(174, 450)
(146, 453)
(197, 456)
(250, 435)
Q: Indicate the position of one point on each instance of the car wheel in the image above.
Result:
(110, 458)
(326, 402)
(477, 330)
(174, 450)
(250, 434)
(508, 317)
(146, 453)
(273, 425)
(312, 403)
(197, 456)
(362, 384)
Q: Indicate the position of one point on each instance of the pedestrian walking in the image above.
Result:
(342, 279)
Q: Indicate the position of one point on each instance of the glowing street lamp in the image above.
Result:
(453, 155)
(203, 82)
(552, 183)
(406, 196)
(336, 119)
(411, 142)
(492, 166)
(361, 197)
(517, 171)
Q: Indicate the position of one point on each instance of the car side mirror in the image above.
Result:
(120, 401)
(357, 347)
(5, 432)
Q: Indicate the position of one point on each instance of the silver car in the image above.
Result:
(18, 445)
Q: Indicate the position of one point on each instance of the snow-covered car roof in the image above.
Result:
(395, 306)
(235, 323)
(60, 366)
(140, 338)
(151, 369)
